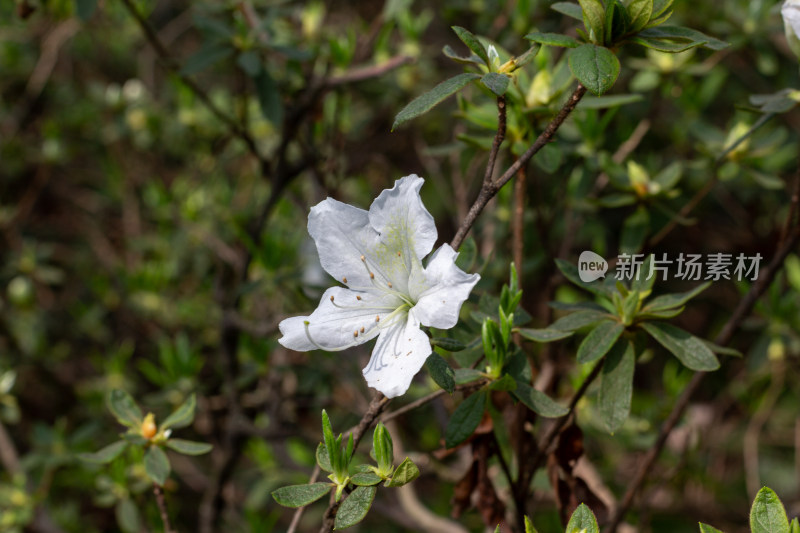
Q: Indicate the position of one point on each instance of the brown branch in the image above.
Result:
(724, 337)
(162, 508)
(490, 187)
(368, 72)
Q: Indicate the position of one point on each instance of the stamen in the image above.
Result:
(331, 297)
(389, 283)
(377, 318)
(357, 297)
(371, 275)
(355, 333)
(398, 254)
(362, 329)
(344, 280)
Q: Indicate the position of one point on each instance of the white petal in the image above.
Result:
(332, 325)
(400, 352)
(791, 15)
(402, 220)
(342, 234)
(447, 288)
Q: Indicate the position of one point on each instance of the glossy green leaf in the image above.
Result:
(582, 521)
(616, 385)
(578, 320)
(640, 12)
(689, 350)
(671, 301)
(660, 7)
(365, 479)
(124, 409)
(447, 344)
(425, 102)
(553, 39)
(682, 34)
(323, 460)
(497, 83)
(448, 51)
(156, 465)
(355, 507)
(441, 372)
(465, 419)
(189, 447)
(663, 45)
(569, 9)
(544, 335)
(705, 528)
(594, 15)
(794, 527)
(529, 526)
(599, 341)
(767, 514)
(595, 67)
(472, 43)
(538, 402)
(106, 454)
(406, 472)
(467, 375)
(182, 416)
(300, 495)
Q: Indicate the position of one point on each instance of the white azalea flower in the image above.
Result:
(790, 11)
(377, 255)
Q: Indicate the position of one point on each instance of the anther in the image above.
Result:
(389, 283)
(377, 318)
(363, 258)
(362, 329)
(358, 297)
(371, 275)
(355, 334)
(398, 254)
(344, 280)
(331, 297)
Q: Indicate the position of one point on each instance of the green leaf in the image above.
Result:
(405, 473)
(441, 372)
(569, 9)
(687, 348)
(209, 54)
(106, 454)
(606, 102)
(553, 39)
(467, 254)
(529, 526)
(323, 460)
(128, 518)
(595, 67)
(300, 495)
(538, 402)
(506, 383)
(570, 272)
(124, 409)
(682, 34)
(634, 231)
(189, 447)
(182, 416)
(425, 102)
(544, 335)
(582, 520)
(156, 465)
(660, 7)
(616, 385)
(467, 375)
(659, 315)
(641, 283)
(250, 63)
(472, 43)
(594, 15)
(447, 344)
(722, 350)
(471, 60)
(640, 12)
(767, 514)
(497, 83)
(671, 301)
(578, 320)
(465, 419)
(269, 97)
(599, 341)
(355, 507)
(705, 528)
(85, 9)
(794, 527)
(365, 479)
(663, 45)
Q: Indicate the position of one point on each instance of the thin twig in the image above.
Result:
(162, 508)
(723, 338)
(368, 72)
(490, 188)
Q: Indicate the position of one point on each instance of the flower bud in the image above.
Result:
(149, 428)
(791, 22)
